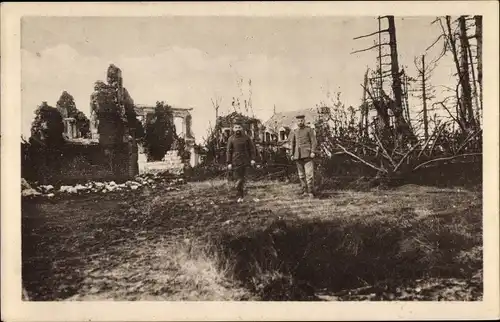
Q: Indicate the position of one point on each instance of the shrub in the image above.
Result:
(47, 127)
(160, 132)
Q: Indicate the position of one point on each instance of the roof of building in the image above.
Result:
(288, 119)
(152, 106)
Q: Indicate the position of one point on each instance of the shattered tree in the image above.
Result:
(467, 110)
(364, 108)
(402, 131)
(479, 52)
(402, 126)
(424, 101)
(457, 42)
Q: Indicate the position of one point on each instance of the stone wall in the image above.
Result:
(172, 162)
(77, 162)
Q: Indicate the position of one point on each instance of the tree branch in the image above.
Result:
(436, 139)
(360, 159)
(446, 159)
(470, 137)
(370, 48)
(384, 151)
(372, 34)
(427, 141)
(435, 42)
(405, 156)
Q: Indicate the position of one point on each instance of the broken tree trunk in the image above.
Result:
(461, 111)
(465, 78)
(380, 77)
(402, 127)
(363, 120)
(479, 53)
(474, 83)
(424, 101)
(406, 99)
(396, 80)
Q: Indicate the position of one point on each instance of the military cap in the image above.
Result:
(238, 121)
(300, 116)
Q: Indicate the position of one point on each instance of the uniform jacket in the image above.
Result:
(240, 150)
(302, 142)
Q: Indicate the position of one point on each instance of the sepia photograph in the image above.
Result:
(256, 158)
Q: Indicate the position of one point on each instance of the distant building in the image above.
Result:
(278, 127)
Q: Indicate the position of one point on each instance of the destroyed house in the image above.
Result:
(278, 127)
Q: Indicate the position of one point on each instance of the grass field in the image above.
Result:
(407, 243)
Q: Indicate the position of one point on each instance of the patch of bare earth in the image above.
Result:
(409, 243)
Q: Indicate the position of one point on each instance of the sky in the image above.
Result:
(188, 61)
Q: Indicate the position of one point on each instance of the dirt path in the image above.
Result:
(167, 245)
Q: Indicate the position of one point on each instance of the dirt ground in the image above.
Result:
(408, 243)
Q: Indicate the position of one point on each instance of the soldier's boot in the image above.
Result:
(303, 187)
(311, 193)
(240, 190)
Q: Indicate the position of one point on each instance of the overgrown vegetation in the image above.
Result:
(112, 109)
(47, 128)
(112, 113)
(160, 132)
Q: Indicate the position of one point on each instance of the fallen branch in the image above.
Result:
(436, 139)
(384, 151)
(367, 147)
(405, 156)
(446, 159)
(428, 140)
(470, 137)
(360, 159)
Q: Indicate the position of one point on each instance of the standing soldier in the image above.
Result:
(239, 155)
(303, 148)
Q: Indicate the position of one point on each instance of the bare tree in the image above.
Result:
(216, 105)
(363, 119)
(396, 80)
(402, 128)
(424, 90)
(479, 52)
(465, 73)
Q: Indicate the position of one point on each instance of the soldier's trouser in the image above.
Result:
(305, 169)
(239, 174)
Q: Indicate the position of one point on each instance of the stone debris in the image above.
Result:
(149, 180)
(30, 192)
(25, 184)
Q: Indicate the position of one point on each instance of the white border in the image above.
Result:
(13, 309)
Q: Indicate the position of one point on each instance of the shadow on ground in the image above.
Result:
(293, 259)
(274, 254)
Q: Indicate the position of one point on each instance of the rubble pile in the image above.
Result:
(146, 180)
(27, 190)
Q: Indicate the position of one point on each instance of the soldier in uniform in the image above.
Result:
(303, 146)
(239, 155)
